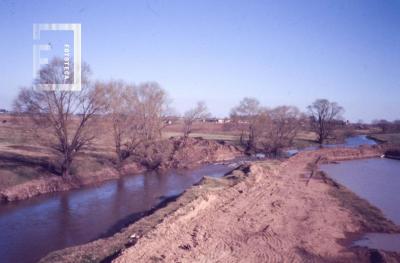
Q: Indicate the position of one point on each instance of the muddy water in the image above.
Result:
(378, 181)
(32, 228)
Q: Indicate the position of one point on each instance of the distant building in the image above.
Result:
(2, 111)
(225, 120)
(210, 120)
(216, 120)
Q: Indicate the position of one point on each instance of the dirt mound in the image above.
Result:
(191, 152)
(272, 216)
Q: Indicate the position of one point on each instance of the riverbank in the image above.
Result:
(273, 213)
(193, 153)
(109, 247)
(390, 143)
(274, 216)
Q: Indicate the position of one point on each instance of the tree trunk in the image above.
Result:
(66, 166)
(119, 155)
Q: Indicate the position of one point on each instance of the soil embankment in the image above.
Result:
(274, 215)
(107, 248)
(194, 152)
(393, 153)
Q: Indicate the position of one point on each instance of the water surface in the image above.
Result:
(350, 142)
(378, 181)
(32, 228)
(354, 142)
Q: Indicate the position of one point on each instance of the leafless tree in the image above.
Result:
(266, 130)
(199, 112)
(245, 117)
(324, 115)
(280, 129)
(137, 117)
(153, 107)
(62, 118)
(117, 103)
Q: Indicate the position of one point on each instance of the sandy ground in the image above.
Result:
(271, 216)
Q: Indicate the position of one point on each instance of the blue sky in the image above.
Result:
(281, 52)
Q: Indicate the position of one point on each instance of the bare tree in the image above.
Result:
(280, 129)
(245, 117)
(117, 104)
(62, 118)
(267, 130)
(137, 117)
(281, 125)
(324, 116)
(197, 113)
(153, 107)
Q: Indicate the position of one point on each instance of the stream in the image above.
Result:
(30, 229)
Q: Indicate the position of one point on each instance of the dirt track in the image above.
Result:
(272, 216)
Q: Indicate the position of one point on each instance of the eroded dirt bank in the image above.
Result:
(195, 152)
(107, 248)
(274, 215)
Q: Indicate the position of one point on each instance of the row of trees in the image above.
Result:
(387, 126)
(67, 121)
(271, 130)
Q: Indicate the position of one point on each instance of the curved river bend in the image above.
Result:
(32, 228)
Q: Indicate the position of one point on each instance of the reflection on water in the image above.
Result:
(32, 228)
(378, 181)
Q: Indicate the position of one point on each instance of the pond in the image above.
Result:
(378, 181)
